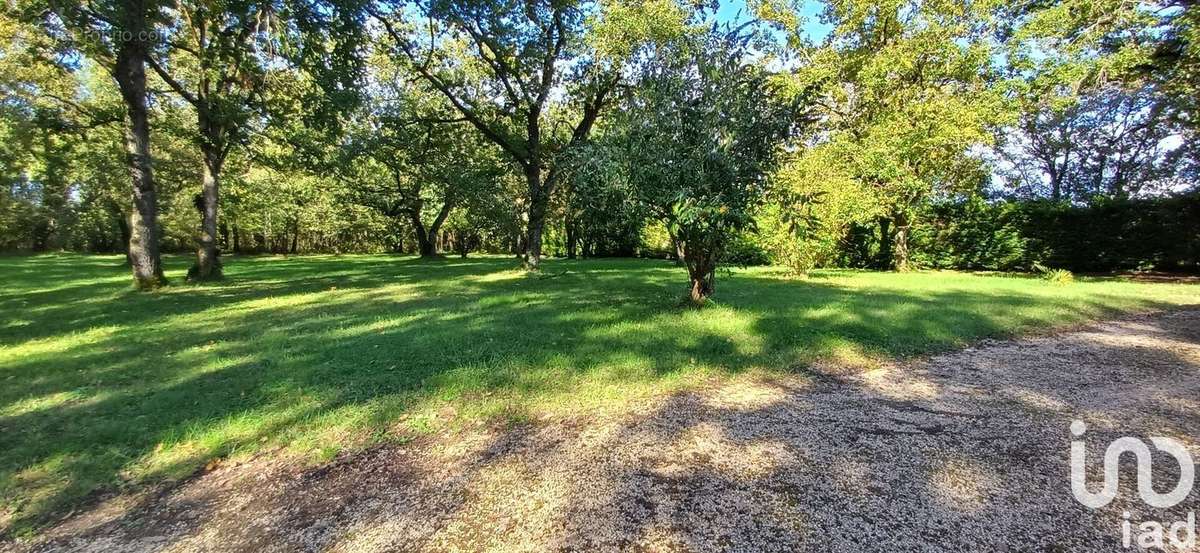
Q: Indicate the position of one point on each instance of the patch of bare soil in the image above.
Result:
(964, 451)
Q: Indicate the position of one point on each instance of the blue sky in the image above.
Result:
(735, 10)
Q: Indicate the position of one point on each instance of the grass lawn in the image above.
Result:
(102, 387)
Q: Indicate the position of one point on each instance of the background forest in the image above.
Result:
(891, 134)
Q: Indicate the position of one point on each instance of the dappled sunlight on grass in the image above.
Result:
(49, 401)
(56, 345)
(103, 386)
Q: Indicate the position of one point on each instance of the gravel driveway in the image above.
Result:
(964, 451)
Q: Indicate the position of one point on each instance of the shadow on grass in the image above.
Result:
(104, 387)
(918, 461)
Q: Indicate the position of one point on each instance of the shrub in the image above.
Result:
(970, 234)
(1108, 235)
(1059, 276)
(744, 249)
(1054, 276)
(1114, 235)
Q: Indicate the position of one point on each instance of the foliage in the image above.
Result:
(358, 126)
(905, 95)
(694, 143)
(1055, 276)
(655, 241)
(788, 229)
(1107, 90)
(745, 249)
(1116, 235)
(524, 75)
(971, 233)
(44, 123)
(215, 59)
(408, 157)
(813, 203)
(1108, 143)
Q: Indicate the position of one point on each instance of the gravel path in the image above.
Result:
(964, 451)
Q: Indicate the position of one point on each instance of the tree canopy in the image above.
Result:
(610, 127)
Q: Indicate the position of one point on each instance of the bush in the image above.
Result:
(787, 245)
(1110, 235)
(1059, 276)
(1054, 276)
(1115, 235)
(654, 241)
(744, 250)
(970, 234)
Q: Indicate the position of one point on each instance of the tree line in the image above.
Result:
(707, 133)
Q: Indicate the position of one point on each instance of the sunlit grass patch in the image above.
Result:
(316, 357)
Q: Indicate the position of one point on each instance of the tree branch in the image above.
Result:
(171, 82)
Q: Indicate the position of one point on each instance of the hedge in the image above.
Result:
(1111, 235)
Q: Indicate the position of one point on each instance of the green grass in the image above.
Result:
(103, 388)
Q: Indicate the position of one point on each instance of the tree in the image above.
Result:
(104, 213)
(906, 94)
(118, 36)
(1108, 93)
(1068, 47)
(1108, 143)
(213, 60)
(422, 160)
(504, 65)
(694, 142)
(39, 138)
(598, 219)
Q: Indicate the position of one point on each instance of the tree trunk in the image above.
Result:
(295, 237)
(702, 273)
(429, 238)
(435, 228)
(572, 238)
(676, 247)
(130, 74)
(208, 264)
(901, 246)
(237, 240)
(533, 243)
(539, 201)
(884, 257)
(701, 289)
(465, 241)
(425, 245)
(701, 262)
(51, 234)
(123, 228)
(1055, 183)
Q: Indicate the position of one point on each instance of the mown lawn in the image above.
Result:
(102, 387)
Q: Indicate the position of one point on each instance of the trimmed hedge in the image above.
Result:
(1113, 235)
